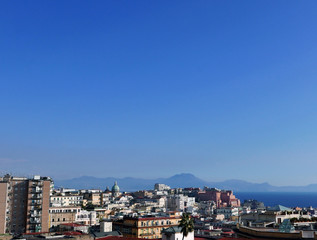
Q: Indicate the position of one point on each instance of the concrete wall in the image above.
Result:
(106, 226)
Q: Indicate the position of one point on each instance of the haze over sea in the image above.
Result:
(288, 199)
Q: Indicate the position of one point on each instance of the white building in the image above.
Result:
(106, 226)
(180, 203)
(87, 217)
(228, 212)
(106, 198)
(65, 200)
(161, 187)
(207, 207)
(174, 233)
(161, 202)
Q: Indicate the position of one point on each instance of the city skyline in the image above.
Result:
(222, 90)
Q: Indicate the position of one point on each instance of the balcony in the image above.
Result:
(35, 214)
(146, 234)
(35, 208)
(36, 196)
(36, 190)
(35, 221)
(31, 228)
(36, 184)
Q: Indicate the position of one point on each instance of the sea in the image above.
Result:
(287, 199)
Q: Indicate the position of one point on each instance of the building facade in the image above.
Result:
(175, 233)
(222, 198)
(228, 212)
(24, 204)
(179, 202)
(146, 227)
(60, 215)
(161, 187)
(65, 200)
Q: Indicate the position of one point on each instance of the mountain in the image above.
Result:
(184, 180)
(129, 183)
(179, 180)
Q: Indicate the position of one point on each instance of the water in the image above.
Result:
(287, 199)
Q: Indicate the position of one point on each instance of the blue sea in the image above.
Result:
(287, 199)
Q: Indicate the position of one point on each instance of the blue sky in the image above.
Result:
(220, 89)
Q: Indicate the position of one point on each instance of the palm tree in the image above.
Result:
(187, 224)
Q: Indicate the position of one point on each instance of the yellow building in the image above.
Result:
(146, 227)
(60, 215)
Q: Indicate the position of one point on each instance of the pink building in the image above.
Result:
(222, 198)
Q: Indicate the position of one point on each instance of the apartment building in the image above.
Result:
(24, 204)
(161, 187)
(228, 212)
(179, 202)
(222, 198)
(65, 200)
(61, 215)
(95, 198)
(146, 226)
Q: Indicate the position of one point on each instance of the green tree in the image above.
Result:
(88, 206)
(187, 224)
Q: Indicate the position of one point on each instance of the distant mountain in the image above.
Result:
(129, 183)
(179, 180)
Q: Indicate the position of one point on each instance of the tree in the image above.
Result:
(187, 224)
(89, 206)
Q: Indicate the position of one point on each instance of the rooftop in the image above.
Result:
(279, 208)
(175, 229)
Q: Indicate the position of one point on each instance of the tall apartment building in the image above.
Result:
(24, 204)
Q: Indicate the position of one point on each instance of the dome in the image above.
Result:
(115, 187)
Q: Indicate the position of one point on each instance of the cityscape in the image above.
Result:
(160, 119)
(34, 208)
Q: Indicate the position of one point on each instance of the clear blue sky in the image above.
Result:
(220, 89)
